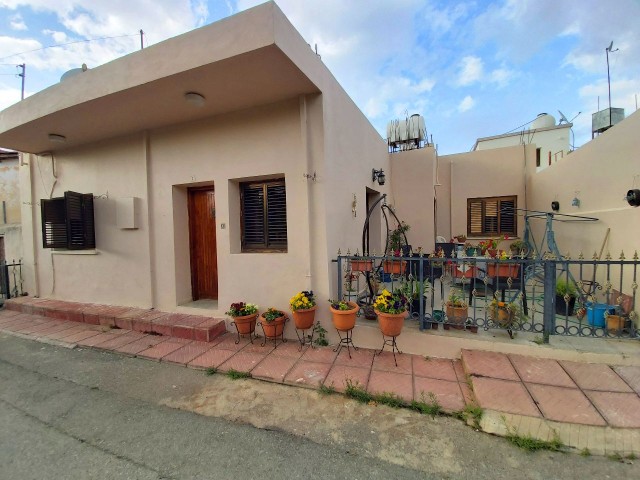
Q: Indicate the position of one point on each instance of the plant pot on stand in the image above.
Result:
(303, 320)
(245, 325)
(273, 328)
(391, 326)
(344, 321)
(456, 316)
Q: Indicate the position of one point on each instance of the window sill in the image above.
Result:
(75, 252)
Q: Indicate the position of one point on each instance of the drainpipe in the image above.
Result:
(30, 241)
(151, 244)
(307, 181)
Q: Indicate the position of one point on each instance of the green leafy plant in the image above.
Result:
(341, 305)
(456, 299)
(396, 239)
(563, 288)
(327, 389)
(411, 288)
(210, 371)
(518, 246)
(356, 391)
(321, 335)
(390, 399)
(427, 407)
(242, 309)
(236, 375)
(473, 413)
(585, 452)
(532, 444)
(272, 314)
(302, 300)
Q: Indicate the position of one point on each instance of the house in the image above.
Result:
(227, 164)
(10, 230)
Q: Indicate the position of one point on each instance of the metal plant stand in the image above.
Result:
(275, 337)
(346, 340)
(251, 334)
(303, 338)
(394, 347)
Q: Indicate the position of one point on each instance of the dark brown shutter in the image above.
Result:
(276, 216)
(54, 223)
(253, 216)
(474, 222)
(491, 217)
(508, 217)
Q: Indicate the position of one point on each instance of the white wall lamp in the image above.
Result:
(56, 138)
(379, 175)
(194, 98)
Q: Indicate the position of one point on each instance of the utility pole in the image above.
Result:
(141, 39)
(23, 67)
(607, 50)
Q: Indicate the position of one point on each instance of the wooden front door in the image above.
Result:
(202, 238)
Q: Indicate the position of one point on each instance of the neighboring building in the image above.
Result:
(10, 226)
(552, 141)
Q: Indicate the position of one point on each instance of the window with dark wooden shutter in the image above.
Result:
(264, 216)
(67, 222)
(54, 223)
(491, 216)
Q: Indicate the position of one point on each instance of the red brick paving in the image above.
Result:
(590, 376)
(568, 392)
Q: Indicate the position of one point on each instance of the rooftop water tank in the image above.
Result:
(543, 120)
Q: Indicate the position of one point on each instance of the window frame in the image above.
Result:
(68, 222)
(500, 232)
(266, 247)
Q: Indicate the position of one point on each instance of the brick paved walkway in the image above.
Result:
(587, 405)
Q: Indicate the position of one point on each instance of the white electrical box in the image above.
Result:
(127, 212)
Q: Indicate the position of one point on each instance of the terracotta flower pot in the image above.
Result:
(457, 315)
(344, 320)
(502, 315)
(361, 265)
(615, 323)
(503, 270)
(492, 252)
(273, 329)
(391, 323)
(394, 267)
(246, 324)
(304, 318)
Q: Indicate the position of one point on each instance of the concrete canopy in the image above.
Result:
(235, 64)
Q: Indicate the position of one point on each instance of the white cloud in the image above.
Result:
(501, 76)
(467, 103)
(471, 70)
(17, 23)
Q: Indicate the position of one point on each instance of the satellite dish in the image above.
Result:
(562, 118)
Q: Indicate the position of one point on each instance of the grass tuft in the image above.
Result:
(585, 452)
(327, 389)
(431, 407)
(210, 371)
(532, 444)
(236, 375)
(390, 399)
(357, 392)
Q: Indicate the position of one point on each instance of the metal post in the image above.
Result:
(549, 311)
(4, 277)
(339, 278)
(421, 292)
(23, 66)
(141, 39)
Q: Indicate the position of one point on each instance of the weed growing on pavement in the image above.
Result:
(210, 371)
(631, 456)
(471, 412)
(390, 399)
(327, 389)
(532, 444)
(616, 457)
(236, 375)
(357, 392)
(585, 452)
(431, 407)
(538, 340)
(321, 335)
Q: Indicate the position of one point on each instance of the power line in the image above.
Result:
(518, 128)
(69, 43)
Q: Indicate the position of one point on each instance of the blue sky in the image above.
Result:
(471, 68)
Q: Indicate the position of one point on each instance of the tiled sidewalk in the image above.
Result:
(590, 406)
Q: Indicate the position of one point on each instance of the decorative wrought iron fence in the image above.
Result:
(11, 281)
(547, 296)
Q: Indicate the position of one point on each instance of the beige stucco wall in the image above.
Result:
(554, 143)
(412, 182)
(487, 173)
(602, 171)
(10, 194)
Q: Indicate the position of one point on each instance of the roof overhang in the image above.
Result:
(234, 64)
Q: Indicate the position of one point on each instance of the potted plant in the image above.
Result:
(359, 264)
(391, 309)
(411, 290)
(343, 314)
(505, 314)
(519, 247)
(244, 317)
(489, 247)
(303, 306)
(456, 308)
(566, 294)
(505, 270)
(397, 239)
(273, 322)
(615, 322)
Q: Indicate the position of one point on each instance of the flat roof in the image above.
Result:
(520, 132)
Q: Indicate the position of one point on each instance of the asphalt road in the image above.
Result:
(84, 414)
